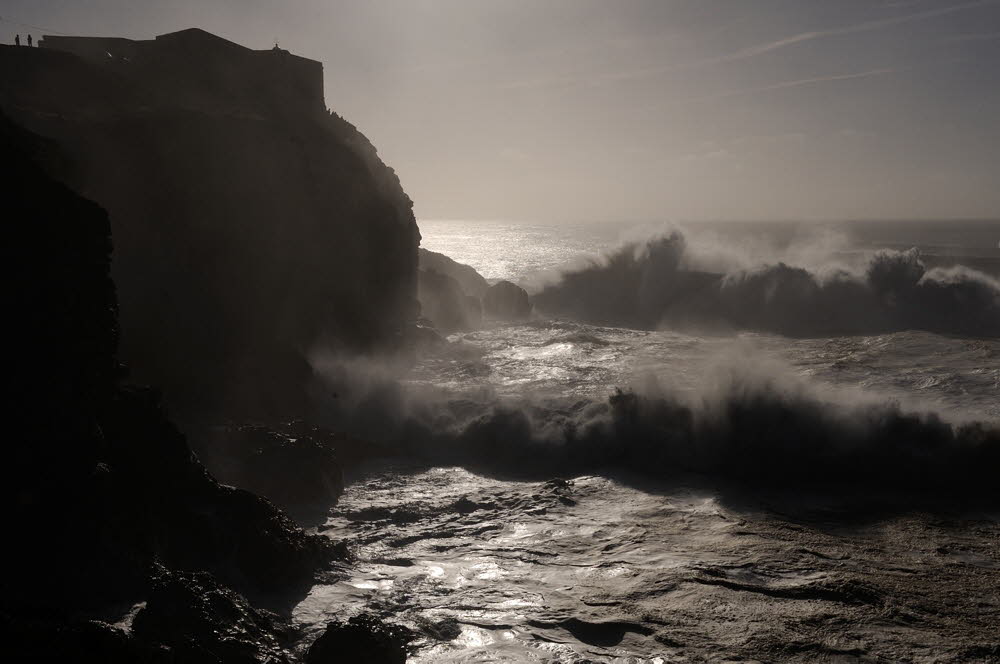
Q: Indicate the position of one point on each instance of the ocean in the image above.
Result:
(660, 493)
(951, 374)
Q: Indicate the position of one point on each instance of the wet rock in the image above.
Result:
(181, 516)
(444, 303)
(199, 620)
(296, 470)
(471, 282)
(363, 638)
(447, 629)
(506, 301)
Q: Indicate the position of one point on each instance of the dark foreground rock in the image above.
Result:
(506, 301)
(101, 487)
(199, 620)
(295, 466)
(363, 639)
(188, 617)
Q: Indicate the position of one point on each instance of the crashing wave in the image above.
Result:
(755, 426)
(651, 285)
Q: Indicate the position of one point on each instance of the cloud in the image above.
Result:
(867, 26)
(768, 47)
(783, 85)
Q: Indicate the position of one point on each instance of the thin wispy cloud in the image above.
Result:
(762, 49)
(784, 85)
(867, 26)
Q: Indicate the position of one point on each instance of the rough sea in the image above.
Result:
(740, 550)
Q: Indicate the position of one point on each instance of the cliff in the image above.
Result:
(105, 498)
(251, 225)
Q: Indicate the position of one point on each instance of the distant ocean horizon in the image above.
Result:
(530, 251)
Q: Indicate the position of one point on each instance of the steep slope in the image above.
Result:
(247, 232)
(92, 462)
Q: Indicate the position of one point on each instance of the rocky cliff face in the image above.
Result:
(247, 234)
(102, 489)
(242, 240)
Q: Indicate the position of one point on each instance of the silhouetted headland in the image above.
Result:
(245, 215)
(242, 218)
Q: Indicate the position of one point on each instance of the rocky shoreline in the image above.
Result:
(123, 546)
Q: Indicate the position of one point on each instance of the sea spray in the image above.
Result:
(753, 422)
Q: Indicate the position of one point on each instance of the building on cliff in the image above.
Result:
(198, 61)
(253, 229)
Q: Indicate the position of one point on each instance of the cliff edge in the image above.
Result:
(251, 224)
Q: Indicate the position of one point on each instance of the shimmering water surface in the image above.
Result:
(610, 569)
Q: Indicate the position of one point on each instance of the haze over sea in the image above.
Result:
(939, 371)
(818, 561)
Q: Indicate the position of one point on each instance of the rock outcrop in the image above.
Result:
(187, 617)
(506, 301)
(471, 282)
(102, 488)
(195, 619)
(363, 638)
(445, 303)
(450, 293)
(245, 216)
(244, 230)
(295, 466)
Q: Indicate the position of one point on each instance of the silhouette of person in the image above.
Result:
(17, 40)
(29, 41)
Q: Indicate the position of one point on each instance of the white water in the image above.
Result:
(953, 375)
(615, 569)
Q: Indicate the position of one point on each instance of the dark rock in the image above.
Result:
(445, 304)
(293, 470)
(35, 640)
(105, 458)
(296, 465)
(447, 629)
(471, 282)
(243, 223)
(506, 301)
(199, 620)
(362, 639)
(187, 520)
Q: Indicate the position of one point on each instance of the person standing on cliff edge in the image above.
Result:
(17, 40)
(29, 41)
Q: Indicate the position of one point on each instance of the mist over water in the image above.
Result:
(772, 420)
(660, 283)
(272, 424)
(637, 361)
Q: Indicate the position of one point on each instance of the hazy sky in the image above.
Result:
(637, 109)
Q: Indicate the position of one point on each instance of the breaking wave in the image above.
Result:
(752, 424)
(656, 283)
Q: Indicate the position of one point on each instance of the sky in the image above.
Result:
(636, 110)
